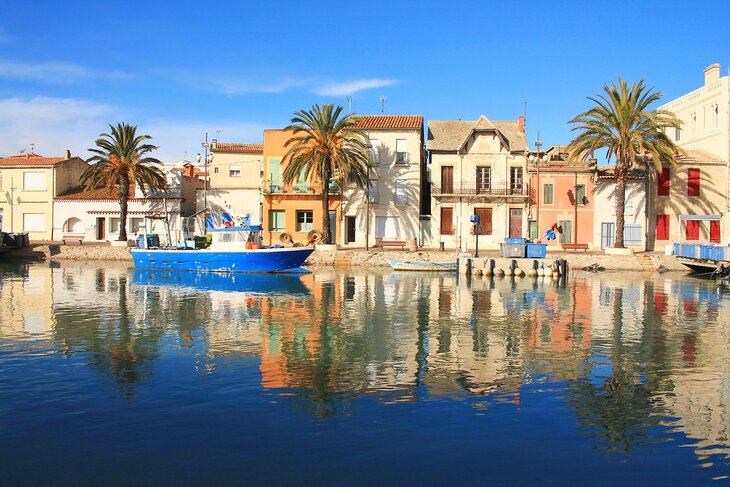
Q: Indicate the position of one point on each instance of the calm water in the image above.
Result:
(110, 376)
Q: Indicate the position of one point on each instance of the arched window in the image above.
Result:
(73, 225)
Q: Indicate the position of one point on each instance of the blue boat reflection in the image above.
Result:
(231, 282)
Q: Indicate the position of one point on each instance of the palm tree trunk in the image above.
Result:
(621, 171)
(123, 200)
(326, 234)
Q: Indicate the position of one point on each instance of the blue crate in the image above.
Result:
(677, 249)
(705, 251)
(536, 251)
(514, 240)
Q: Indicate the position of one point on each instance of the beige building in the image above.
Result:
(705, 113)
(478, 167)
(389, 209)
(28, 185)
(234, 181)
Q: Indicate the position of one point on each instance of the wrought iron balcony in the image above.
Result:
(300, 188)
(474, 189)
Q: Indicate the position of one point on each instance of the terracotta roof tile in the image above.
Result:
(33, 160)
(389, 122)
(100, 194)
(241, 148)
(609, 172)
(694, 156)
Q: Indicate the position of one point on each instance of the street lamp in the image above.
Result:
(536, 159)
(369, 147)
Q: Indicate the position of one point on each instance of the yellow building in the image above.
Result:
(28, 185)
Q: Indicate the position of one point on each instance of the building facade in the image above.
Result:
(477, 167)
(28, 185)
(705, 115)
(389, 208)
(636, 222)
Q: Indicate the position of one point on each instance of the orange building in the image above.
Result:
(561, 192)
(293, 208)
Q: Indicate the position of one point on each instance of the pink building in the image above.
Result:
(561, 195)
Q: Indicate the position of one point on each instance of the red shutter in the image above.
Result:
(662, 227)
(715, 231)
(663, 182)
(693, 230)
(485, 220)
(693, 182)
(447, 223)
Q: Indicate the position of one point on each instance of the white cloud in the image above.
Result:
(231, 86)
(54, 72)
(56, 124)
(351, 87)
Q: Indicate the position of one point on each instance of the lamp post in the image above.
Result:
(536, 159)
(369, 147)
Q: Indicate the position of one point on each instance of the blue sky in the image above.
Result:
(179, 69)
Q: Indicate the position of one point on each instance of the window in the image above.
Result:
(447, 221)
(580, 194)
(515, 180)
(277, 221)
(547, 194)
(715, 116)
(692, 230)
(447, 179)
(374, 151)
(374, 193)
(34, 181)
(401, 151)
(484, 179)
(401, 197)
(114, 225)
(135, 224)
(485, 220)
(304, 220)
(662, 227)
(34, 222)
(693, 182)
(693, 122)
(632, 234)
(234, 171)
(663, 182)
(677, 133)
(274, 168)
(215, 170)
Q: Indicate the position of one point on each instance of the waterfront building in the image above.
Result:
(390, 207)
(635, 209)
(562, 192)
(28, 185)
(478, 167)
(705, 115)
(93, 215)
(294, 209)
(235, 181)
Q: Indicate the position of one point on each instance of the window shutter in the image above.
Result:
(662, 227)
(663, 182)
(693, 230)
(693, 182)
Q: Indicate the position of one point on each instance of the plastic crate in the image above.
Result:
(514, 250)
(515, 240)
(536, 251)
(705, 251)
(678, 249)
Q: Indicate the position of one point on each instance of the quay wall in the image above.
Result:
(645, 261)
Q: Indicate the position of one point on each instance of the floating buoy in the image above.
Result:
(519, 272)
(508, 271)
(540, 271)
(487, 271)
(478, 272)
(532, 273)
(498, 271)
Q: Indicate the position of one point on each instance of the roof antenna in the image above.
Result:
(382, 104)
(32, 148)
(348, 99)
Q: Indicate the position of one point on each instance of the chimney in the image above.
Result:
(712, 73)
(189, 170)
(68, 154)
(521, 124)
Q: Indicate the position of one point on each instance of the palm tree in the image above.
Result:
(120, 161)
(622, 123)
(325, 146)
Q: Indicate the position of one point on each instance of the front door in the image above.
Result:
(608, 235)
(515, 222)
(333, 227)
(101, 228)
(350, 231)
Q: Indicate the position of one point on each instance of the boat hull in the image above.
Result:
(448, 266)
(255, 260)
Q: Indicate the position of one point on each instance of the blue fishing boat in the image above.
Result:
(407, 265)
(232, 249)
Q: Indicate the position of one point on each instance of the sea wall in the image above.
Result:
(648, 261)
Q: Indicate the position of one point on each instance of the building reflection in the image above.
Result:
(631, 354)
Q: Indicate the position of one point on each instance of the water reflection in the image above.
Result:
(630, 357)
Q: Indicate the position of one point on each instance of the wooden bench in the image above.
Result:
(393, 243)
(73, 239)
(575, 246)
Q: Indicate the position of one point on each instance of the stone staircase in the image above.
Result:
(646, 262)
(343, 260)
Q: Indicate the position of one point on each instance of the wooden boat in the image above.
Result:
(233, 249)
(409, 265)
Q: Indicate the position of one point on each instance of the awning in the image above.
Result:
(703, 218)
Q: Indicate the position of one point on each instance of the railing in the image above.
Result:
(495, 189)
(300, 188)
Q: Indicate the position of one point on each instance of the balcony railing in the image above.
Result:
(472, 189)
(300, 188)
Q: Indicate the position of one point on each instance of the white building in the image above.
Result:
(635, 204)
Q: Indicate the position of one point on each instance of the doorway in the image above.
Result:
(349, 229)
(101, 228)
(333, 227)
(608, 235)
(515, 222)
